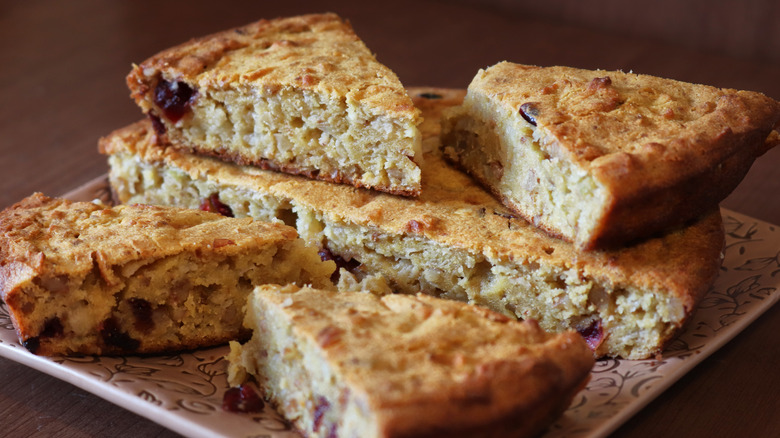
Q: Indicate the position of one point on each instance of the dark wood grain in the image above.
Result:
(62, 87)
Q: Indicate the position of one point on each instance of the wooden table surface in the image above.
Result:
(62, 87)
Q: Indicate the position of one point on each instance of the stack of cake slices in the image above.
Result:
(595, 205)
(589, 203)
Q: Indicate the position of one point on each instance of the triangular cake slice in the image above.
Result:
(86, 278)
(302, 95)
(355, 364)
(603, 158)
(453, 241)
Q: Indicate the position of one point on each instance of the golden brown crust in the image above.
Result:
(328, 57)
(61, 237)
(316, 53)
(427, 366)
(689, 127)
(666, 151)
(455, 212)
(76, 275)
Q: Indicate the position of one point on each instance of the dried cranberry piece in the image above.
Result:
(529, 112)
(349, 265)
(52, 327)
(32, 344)
(157, 124)
(173, 98)
(323, 406)
(113, 336)
(214, 205)
(593, 334)
(242, 399)
(231, 401)
(142, 311)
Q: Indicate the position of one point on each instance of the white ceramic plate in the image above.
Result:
(183, 392)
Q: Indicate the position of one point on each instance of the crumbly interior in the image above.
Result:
(296, 376)
(519, 163)
(301, 131)
(633, 320)
(558, 299)
(187, 300)
(136, 181)
(357, 365)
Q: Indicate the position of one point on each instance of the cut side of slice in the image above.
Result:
(606, 158)
(454, 241)
(356, 364)
(82, 278)
(302, 95)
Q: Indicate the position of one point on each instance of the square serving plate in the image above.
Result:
(184, 391)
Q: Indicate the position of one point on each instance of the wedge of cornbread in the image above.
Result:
(358, 365)
(302, 95)
(604, 158)
(85, 278)
(454, 241)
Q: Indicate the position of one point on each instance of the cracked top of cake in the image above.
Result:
(318, 52)
(51, 237)
(407, 351)
(632, 131)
